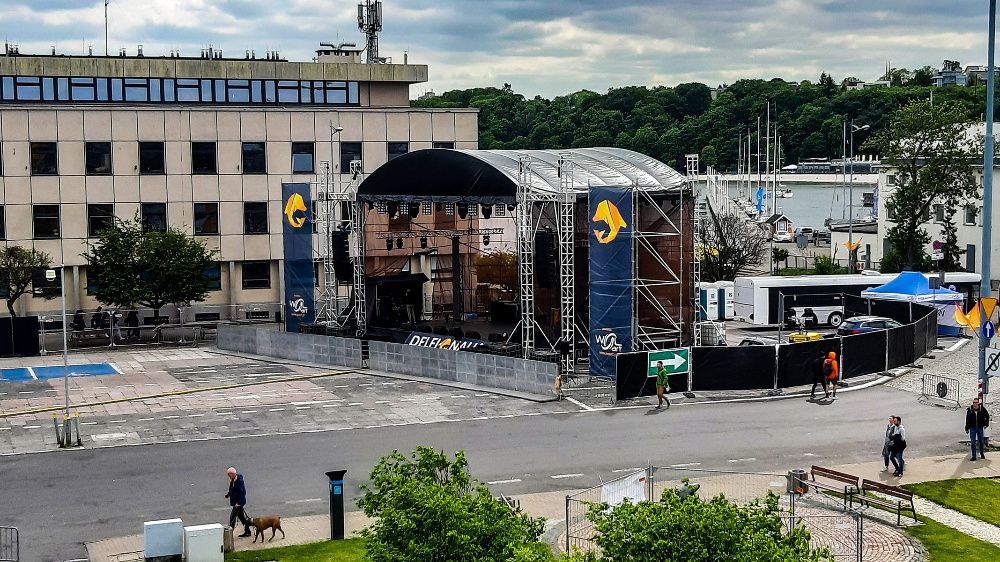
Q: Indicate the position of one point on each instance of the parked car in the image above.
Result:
(865, 324)
(822, 237)
(783, 236)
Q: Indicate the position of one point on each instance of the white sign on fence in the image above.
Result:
(631, 487)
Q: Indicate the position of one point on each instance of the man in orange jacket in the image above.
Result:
(831, 370)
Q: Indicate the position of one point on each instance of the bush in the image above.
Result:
(826, 266)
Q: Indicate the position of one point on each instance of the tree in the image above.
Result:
(932, 152)
(427, 509)
(729, 247)
(827, 84)
(708, 156)
(682, 527)
(949, 246)
(778, 255)
(17, 266)
(922, 77)
(497, 268)
(130, 265)
(951, 65)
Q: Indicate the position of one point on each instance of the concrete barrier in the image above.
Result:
(307, 348)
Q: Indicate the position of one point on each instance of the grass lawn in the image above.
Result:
(349, 550)
(975, 497)
(948, 545)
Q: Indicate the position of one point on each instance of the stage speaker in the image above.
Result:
(342, 267)
(546, 260)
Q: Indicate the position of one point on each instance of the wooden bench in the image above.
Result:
(846, 484)
(896, 498)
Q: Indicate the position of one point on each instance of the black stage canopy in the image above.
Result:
(439, 175)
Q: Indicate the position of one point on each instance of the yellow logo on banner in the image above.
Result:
(295, 204)
(608, 214)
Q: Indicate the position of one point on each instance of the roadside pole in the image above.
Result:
(986, 286)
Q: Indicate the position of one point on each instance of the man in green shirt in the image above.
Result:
(662, 385)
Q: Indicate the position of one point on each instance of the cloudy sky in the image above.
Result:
(547, 47)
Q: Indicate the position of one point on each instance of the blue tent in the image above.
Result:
(912, 286)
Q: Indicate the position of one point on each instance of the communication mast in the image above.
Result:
(370, 23)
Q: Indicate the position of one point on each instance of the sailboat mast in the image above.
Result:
(767, 157)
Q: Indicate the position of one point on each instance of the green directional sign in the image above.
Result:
(675, 361)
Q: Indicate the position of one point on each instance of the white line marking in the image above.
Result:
(578, 403)
(32, 427)
(26, 392)
(302, 407)
(748, 459)
(170, 417)
(88, 423)
(195, 415)
(308, 500)
(958, 345)
(684, 464)
(145, 419)
(249, 412)
(509, 481)
(32, 373)
(116, 421)
(627, 470)
(276, 410)
(382, 402)
(4, 429)
(355, 403)
(461, 396)
(561, 476)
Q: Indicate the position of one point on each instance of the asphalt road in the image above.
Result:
(59, 500)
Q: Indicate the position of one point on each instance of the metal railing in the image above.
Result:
(941, 390)
(10, 547)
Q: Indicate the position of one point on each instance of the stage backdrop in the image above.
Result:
(611, 277)
(297, 235)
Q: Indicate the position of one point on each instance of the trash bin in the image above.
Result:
(797, 481)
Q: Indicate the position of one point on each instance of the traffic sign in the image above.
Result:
(675, 361)
(937, 255)
(992, 361)
(989, 330)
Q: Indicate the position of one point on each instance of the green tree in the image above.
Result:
(778, 255)
(932, 152)
(709, 156)
(682, 527)
(130, 265)
(949, 246)
(729, 247)
(428, 509)
(17, 266)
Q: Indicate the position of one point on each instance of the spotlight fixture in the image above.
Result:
(487, 211)
(423, 242)
(486, 240)
(463, 210)
(399, 243)
(414, 210)
(392, 208)
(438, 207)
(388, 243)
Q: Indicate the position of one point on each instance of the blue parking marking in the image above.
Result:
(22, 374)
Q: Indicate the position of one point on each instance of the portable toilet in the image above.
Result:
(709, 299)
(727, 294)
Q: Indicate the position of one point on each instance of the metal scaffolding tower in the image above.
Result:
(692, 174)
(567, 264)
(647, 245)
(526, 254)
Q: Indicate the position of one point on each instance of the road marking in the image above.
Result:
(82, 423)
(145, 419)
(382, 402)
(748, 459)
(958, 345)
(561, 476)
(249, 412)
(195, 415)
(482, 394)
(4, 429)
(32, 373)
(302, 407)
(808, 454)
(508, 481)
(26, 392)
(32, 427)
(116, 421)
(627, 470)
(308, 500)
(170, 417)
(461, 396)
(684, 464)
(276, 410)
(578, 403)
(355, 403)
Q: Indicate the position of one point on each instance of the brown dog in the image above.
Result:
(261, 524)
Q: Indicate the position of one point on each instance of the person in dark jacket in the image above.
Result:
(819, 377)
(237, 495)
(897, 445)
(976, 420)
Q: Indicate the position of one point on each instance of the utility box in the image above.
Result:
(203, 543)
(709, 302)
(336, 478)
(163, 541)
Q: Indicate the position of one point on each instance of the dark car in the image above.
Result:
(865, 324)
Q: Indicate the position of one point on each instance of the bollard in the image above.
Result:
(76, 422)
(55, 426)
(336, 503)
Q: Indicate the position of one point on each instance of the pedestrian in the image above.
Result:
(819, 377)
(976, 420)
(886, 446)
(831, 371)
(897, 446)
(662, 385)
(237, 495)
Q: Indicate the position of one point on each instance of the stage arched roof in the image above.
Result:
(491, 176)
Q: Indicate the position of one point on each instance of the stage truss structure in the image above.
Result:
(699, 214)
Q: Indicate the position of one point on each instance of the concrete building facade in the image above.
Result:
(201, 144)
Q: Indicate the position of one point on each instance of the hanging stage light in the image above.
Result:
(463, 210)
(414, 210)
(399, 243)
(392, 208)
(487, 211)
(388, 243)
(486, 240)
(423, 242)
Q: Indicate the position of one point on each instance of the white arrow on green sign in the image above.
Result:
(674, 360)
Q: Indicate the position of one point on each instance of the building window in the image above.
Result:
(99, 217)
(98, 160)
(397, 149)
(427, 208)
(449, 209)
(256, 274)
(3, 224)
(154, 217)
(203, 158)
(43, 159)
(444, 144)
(349, 152)
(890, 212)
(255, 217)
(214, 275)
(302, 157)
(46, 221)
(42, 287)
(206, 218)
(927, 214)
(254, 158)
(381, 207)
(499, 210)
(151, 158)
(970, 258)
(971, 212)
(938, 212)
(890, 179)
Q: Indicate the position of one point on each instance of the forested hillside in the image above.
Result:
(669, 122)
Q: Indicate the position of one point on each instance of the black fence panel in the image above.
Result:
(863, 354)
(747, 367)
(7, 336)
(795, 360)
(900, 346)
(932, 331)
(920, 338)
(632, 378)
(25, 336)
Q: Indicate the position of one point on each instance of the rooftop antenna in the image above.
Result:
(106, 2)
(370, 23)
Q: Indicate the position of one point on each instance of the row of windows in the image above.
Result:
(46, 219)
(428, 208)
(204, 157)
(177, 90)
(971, 212)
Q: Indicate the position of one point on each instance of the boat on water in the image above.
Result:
(783, 192)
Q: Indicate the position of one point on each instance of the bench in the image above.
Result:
(846, 484)
(899, 499)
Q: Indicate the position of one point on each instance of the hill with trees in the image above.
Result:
(669, 122)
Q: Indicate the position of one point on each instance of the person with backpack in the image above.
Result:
(819, 377)
(890, 429)
(831, 370)
(897, 445)
(976, 420)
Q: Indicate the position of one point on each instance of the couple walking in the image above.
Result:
(895, 443)
(825, 372)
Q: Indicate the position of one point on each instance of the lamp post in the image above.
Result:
(850, 201)
(50, 276)
(986, 287)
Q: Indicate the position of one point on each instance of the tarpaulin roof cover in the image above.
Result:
(911, 286)
(491, 176)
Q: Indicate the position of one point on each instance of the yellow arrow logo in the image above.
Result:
(608, 214)
(295, 204)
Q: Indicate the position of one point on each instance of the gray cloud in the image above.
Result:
(549, 47)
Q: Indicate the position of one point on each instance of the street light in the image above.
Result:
(850, 204)
(50, 276)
